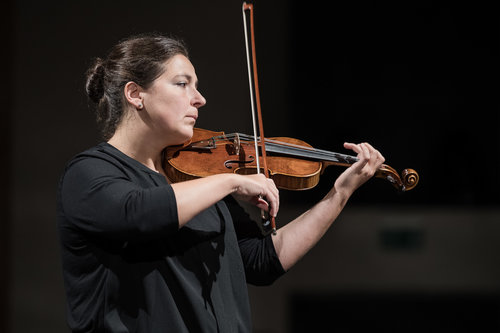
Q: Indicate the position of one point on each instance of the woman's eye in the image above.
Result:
(182, 84)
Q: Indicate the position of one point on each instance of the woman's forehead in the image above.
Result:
(179, 64)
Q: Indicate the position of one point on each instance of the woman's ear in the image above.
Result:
(132, 92)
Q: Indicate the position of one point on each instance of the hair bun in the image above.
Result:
(95, 81)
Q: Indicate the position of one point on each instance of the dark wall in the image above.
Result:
(6, 25)
(419, 81)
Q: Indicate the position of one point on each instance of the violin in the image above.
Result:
(292, 163)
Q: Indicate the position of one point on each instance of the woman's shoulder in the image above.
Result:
(99, 158)
(91, 155)
(104, 153)
(106, 161)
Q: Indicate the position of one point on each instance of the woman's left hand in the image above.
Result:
(369, 161)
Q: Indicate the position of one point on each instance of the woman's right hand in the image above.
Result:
(259, 191)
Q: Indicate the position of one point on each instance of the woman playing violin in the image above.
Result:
(142, 254)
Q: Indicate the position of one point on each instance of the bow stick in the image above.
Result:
(268, 222)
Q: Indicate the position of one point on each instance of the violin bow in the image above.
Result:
(268, 222)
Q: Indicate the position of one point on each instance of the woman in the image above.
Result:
(141, 254)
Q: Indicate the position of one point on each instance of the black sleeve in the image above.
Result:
(96, 197)
(262, 265)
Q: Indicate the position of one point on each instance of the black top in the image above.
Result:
(129, 268)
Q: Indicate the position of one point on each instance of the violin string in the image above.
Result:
(276, 146)
(309, 152)
(299, 150)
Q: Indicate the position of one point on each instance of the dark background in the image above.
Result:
(418, 80)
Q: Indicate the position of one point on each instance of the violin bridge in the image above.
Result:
(237, 144)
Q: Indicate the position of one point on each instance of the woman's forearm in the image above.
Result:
(194, 196)
(297, 237)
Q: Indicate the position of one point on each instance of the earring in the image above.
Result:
(139, 106)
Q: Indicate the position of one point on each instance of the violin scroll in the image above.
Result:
(408, 180)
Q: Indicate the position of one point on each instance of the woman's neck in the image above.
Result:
(138, 147)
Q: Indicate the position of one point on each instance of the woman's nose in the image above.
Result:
(198, 100)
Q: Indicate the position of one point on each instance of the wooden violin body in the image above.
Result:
(292, 163)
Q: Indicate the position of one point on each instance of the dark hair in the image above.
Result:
(139, 59)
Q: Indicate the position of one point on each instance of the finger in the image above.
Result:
(268, 197)
(365, 154)
(261, 204)
(376, 157)
(360, 149)
(352, 146)
(273, 197)
(362, 153)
